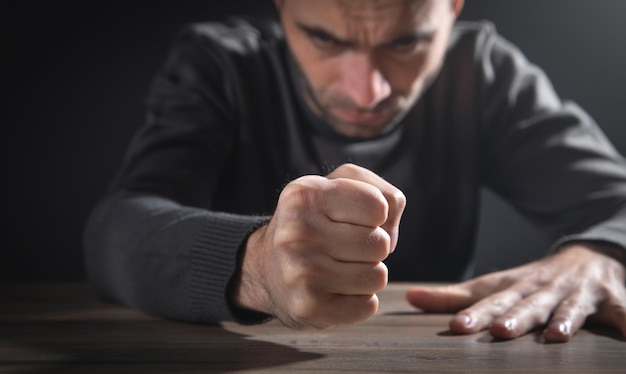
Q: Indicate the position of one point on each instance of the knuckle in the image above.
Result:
(370, 307)
(301, 313)
(379, 243)
(378, 277)
(576, 307)
(397, 201)
(378, 209)
(288, 238)
(349, 168)
(299, 195)
(498, 306)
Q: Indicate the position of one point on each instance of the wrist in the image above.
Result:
(248, 291)
(611, 250)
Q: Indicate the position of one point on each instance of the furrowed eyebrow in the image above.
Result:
(406, 38)
(318, 31)
(411, 38)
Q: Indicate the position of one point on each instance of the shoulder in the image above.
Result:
(480, 40)
(473, 29)
(472, 37)
(225, 53)
(477, 47)
(235, 35)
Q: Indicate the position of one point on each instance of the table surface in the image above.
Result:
(46, 328)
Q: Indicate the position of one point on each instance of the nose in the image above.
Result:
(362, 81)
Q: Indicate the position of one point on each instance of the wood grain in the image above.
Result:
(46, 328)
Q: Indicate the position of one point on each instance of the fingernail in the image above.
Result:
(564, 328)
(465, 320)
(510, 324)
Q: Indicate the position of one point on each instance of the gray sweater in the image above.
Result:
(226, 129)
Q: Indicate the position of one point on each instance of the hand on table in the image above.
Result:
(318, 262)
(560, 292)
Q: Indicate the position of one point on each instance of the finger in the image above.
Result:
(452, 298)
(347, 310)
(343, 266)
(615, 315)
(355, 278)
(483, 313)
(329, 310)
(571, 315)
(312, 268)
(613, 310)
(339, 200)
(440, 299)
(352, 201)
(568, 318)
(396, 200)
(529, 313)
(355, 243)
(340, 241)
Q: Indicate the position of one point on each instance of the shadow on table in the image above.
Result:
(484, 337)
(607, 332)
(152, 346)
(65, 329)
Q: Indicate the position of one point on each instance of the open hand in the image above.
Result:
(560, 292)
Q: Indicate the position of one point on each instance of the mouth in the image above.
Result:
(357, 117)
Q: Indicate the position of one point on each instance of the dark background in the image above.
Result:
(74, 78)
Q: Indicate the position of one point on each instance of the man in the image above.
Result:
(245, 119)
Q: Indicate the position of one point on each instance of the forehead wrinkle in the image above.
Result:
(364, 20)
(379, 4)
(372, 9)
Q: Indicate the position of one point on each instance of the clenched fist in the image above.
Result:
(318, 262)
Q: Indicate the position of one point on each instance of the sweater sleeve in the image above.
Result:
(169, 260)
(546, 156)
(155, 242)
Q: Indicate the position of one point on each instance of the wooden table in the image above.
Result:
(49, 328)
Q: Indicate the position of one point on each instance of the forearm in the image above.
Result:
(166, 259)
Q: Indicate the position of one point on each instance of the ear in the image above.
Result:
(457, 6)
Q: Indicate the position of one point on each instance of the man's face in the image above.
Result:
(364, 63)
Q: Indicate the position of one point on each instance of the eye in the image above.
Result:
(323, 40)
(409, 44)
(404, 45)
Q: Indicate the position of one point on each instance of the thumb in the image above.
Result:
(440, 299)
